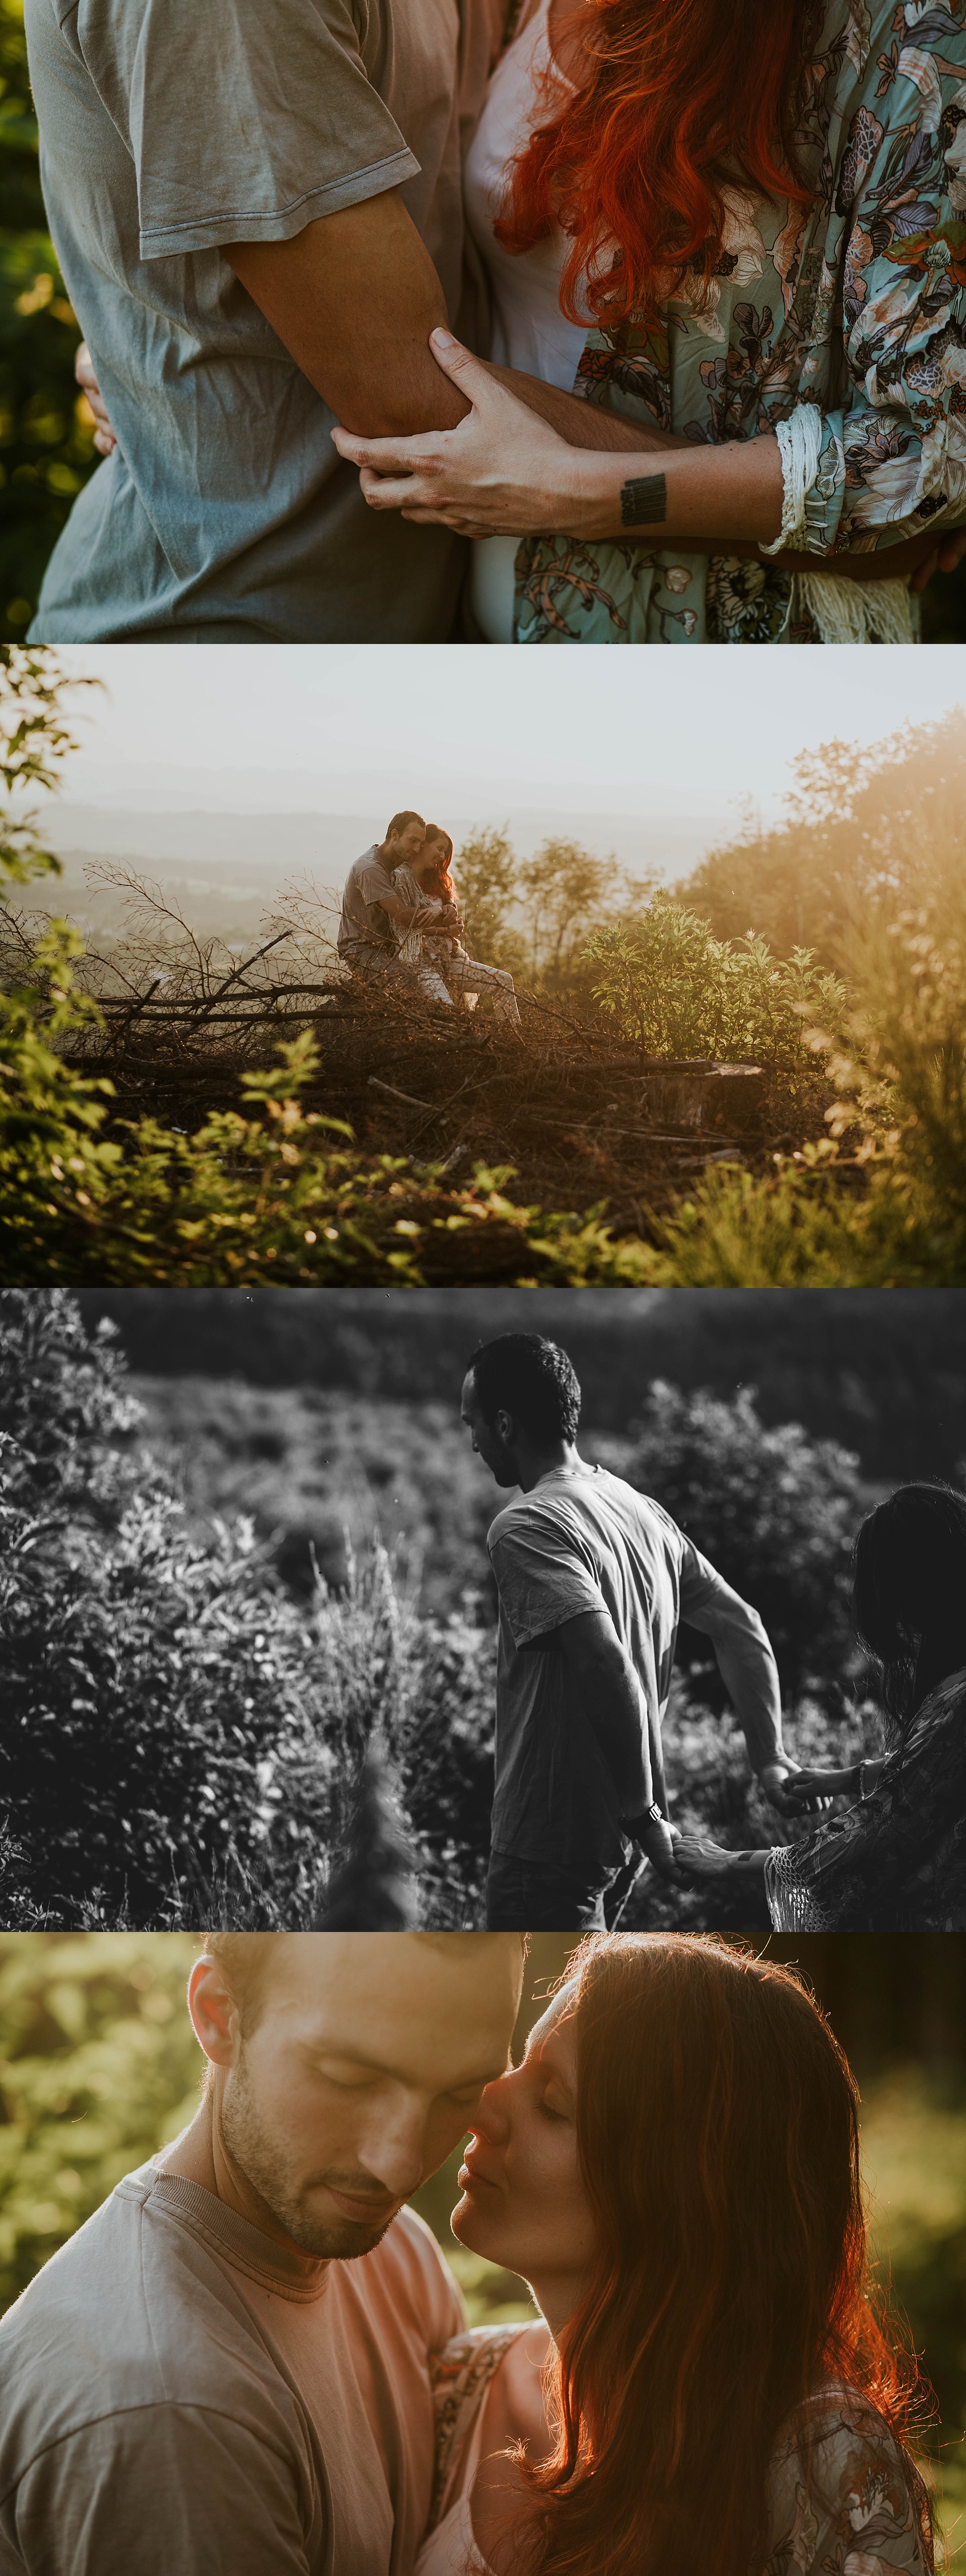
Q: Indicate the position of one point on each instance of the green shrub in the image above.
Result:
(774, 1510)
(672, 989)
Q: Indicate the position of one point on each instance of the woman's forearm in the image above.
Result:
(697, 497)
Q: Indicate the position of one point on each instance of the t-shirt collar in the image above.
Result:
(292, 2275)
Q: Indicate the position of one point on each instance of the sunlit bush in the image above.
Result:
(672, 989)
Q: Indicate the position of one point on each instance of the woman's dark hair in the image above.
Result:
(531, 1378)
(909, 1592)
(718, 2140)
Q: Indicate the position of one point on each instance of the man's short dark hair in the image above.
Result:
(525, 1375)
(399, 822)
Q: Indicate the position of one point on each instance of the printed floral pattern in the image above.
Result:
(896, 1862)
(858, 307)
(460, 2376)
(840, 2498)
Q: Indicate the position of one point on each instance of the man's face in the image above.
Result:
(403, 846)
(493, 1441)
(362, 2074)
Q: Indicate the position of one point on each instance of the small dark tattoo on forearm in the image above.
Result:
(644, 502)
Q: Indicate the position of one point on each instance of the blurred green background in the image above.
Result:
(99, 2067)
(46, 447)
(46, 432)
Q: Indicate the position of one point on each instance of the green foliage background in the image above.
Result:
(46, 441)
(99, 2068)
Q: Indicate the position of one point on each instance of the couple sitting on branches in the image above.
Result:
(401, 922)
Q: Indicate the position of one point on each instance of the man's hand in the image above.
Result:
(776, 1779)
(353, 299)
(657, 1839)
(104, 439)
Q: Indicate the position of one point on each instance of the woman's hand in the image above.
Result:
(104, 439)
(502, 472)
(782, 1779)
(810, 1789)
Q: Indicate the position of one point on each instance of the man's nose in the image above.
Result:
(395, 2154)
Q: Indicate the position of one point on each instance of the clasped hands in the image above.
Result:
(684, 1858)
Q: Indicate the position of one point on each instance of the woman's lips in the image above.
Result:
(471, 2172)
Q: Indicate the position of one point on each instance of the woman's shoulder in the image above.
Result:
(842, 2493)
(460, 2375)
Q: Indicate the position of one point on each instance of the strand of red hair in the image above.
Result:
(682, 99)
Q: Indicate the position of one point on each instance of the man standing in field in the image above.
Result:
(227, 2367)
(593, 1580)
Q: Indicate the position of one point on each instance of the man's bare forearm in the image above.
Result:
(353, 299)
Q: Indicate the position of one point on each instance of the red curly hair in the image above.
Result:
(717, 2134)
(438, 869)
(681, 98)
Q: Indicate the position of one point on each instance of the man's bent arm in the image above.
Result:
(744, 1656)
(612, 1702)
(353, 299)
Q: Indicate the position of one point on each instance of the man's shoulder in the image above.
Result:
(409, 2265)
(590, 1498)
(127, 2314)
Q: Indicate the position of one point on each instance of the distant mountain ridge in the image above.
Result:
(257, 851)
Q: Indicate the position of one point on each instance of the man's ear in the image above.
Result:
(214, 2013)
(505, 1428)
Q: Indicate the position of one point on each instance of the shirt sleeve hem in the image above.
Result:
(172, 241)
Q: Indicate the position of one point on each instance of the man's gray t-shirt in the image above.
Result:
(584, 1540)
(169, 128)
(364, 924)
(180, 2396)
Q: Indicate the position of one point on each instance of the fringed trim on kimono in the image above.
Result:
(855, 612)
(841, 612)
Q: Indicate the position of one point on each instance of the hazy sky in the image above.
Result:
(293, 725)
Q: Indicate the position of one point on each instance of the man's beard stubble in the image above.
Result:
(261, 2159)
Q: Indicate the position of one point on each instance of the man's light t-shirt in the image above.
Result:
(169, 128)
(584, 1540)
(364, 923)
(180, 2397)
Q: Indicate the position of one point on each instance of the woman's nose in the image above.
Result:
(492, 2118)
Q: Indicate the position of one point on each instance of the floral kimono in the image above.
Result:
(840, 2499)
(858, 308)
(897, 1861)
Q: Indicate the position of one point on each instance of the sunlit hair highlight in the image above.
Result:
(682, 101)
(441, 865)
(718, 2141)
